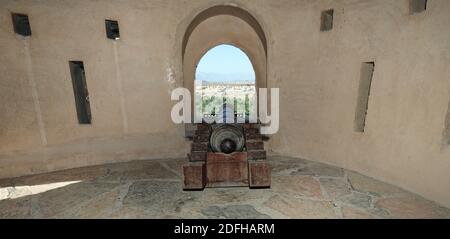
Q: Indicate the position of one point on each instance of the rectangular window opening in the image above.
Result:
(21, 24)
(112, 29)
(417, 6)
(365, 83)
(447, 127)
(80, 91)
(327, 20)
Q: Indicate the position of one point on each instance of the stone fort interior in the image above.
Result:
(364, 107)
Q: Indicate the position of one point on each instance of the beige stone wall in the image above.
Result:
(317, 72)
(129, 83)
(410, 91)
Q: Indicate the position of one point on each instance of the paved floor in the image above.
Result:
(152, 189)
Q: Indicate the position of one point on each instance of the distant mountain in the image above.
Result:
(229, 78)
(206, 83)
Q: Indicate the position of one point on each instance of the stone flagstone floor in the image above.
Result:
(152, 189)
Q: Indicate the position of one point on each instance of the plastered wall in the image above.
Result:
(410, 92)
(130, 81)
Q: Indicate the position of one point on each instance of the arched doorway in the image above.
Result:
(223, 25)
(225, 76)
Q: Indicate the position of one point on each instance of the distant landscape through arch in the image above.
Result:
(225, 75)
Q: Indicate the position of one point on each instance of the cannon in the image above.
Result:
(227, 138)
(226, 155)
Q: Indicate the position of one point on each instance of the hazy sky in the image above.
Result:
(225, 62)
